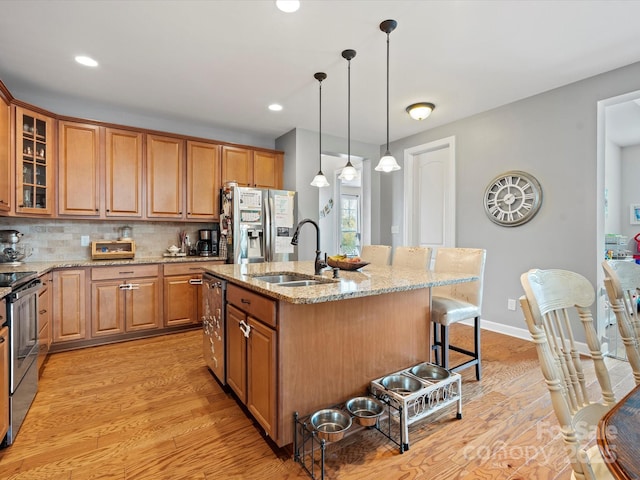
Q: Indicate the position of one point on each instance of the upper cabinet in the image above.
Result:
(123, 173)
(34, 163)
(6, 171)
(203, 180)
(78, 169)
(165, 167)
(252, 168)
(267, 169)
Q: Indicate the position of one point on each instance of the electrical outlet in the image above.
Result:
(511, 303)
(84, 241)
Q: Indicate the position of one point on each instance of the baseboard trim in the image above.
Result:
(517, 332)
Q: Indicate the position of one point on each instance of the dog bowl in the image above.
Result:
(365, 410)
(430, 372)
(330, 424)
(401, 384)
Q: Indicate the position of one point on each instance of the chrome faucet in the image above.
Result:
(318, 264)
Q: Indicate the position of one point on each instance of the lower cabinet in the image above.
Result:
(252, 354)
(183, 294)
(69, 304)
(125, 299)
(45, 307)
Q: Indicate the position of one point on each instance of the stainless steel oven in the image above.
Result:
(22, 320)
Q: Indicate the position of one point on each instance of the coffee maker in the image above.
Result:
(207, 245)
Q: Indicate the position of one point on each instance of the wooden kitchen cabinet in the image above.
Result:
(182, 294)
(6, 170)
(267, 169)
(34, 163)
(164, 176)
(203, 181)
(45, 308)
(125, 299)
(69, 304)
(78, 169)
(236, 353)
(252, 168)
(123, 173)
(252, 357)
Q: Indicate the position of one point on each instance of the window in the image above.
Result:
(350, 224)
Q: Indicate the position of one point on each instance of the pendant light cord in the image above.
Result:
(320, 129)
(387, 93)
(349, 112)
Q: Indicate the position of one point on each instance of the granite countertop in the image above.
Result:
(369, 280)
(44, 267)
(4, 291)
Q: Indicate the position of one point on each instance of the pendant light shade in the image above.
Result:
(348, 172)
(320, 180)
(388, 163)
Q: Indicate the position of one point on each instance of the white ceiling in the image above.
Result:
(220, 63)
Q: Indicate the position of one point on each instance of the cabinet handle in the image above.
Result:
(21, 206)
(126, 273)
(195, 281)
(195, 268)
(246, 329)
(134, 286)
(97, 210)
(42, 312)
(1, 339)
(2, 201)
(245, 301)
(124, 286)
(108, 210)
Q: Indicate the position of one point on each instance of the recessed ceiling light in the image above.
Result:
(86, 61)
(288, 6)
(274, 107)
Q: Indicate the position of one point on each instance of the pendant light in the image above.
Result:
(348, 172)
(388, 163)
(320, 180)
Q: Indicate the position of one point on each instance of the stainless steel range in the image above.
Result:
(22, 320)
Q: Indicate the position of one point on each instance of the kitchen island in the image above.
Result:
(299, 349)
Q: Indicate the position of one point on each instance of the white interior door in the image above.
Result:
(429, 218)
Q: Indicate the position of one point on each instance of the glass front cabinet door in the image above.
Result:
(34, 162)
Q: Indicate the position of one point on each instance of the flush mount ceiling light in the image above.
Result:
(288, 6)
(388, 163)
(420, 111)
(348, 172)
(274, 107)
(320, 180)
(86, 61)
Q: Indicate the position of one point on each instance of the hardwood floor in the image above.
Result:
(150, 409)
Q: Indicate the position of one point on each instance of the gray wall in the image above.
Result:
(301, 165)
(630, 191)
(553, 136)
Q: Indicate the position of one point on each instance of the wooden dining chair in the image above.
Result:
(622, 282)
(454, 303)
(376, 254)
(412, 257)
(551, 301)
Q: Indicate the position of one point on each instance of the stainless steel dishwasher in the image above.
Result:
(213, 324)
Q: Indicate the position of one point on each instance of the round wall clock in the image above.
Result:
(512, 198)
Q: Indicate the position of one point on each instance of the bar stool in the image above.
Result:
(453, 303)
(412, 257)
(376, 254)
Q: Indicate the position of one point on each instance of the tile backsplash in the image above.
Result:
(55, 240)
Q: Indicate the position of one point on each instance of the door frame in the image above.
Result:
(410, 155)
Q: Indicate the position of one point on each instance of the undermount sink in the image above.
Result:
(292, 279)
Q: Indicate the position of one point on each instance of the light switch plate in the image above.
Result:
(395, 229)
(511, 304)
(84, 241)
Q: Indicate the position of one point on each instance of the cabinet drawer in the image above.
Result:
(183, 268)
(124, 271)
(254, 304)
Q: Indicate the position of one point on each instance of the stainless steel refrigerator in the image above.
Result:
(257, 224)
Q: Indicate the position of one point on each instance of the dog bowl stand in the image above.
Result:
(309, 450)
(431, 398)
